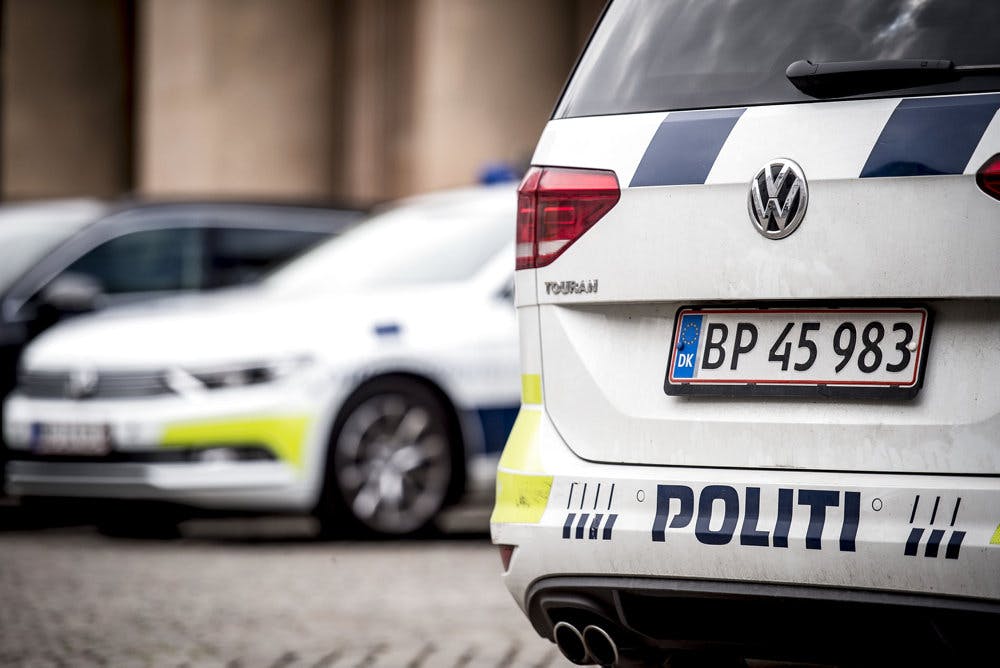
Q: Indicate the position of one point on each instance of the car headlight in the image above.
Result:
(236, 375)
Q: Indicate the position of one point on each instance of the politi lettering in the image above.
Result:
(721, 515)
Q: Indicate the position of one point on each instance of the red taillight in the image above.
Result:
(555, 206)
(527, 199)
(988, 177)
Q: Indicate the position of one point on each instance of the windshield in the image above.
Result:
(659, 55)
(436, 240)
(29, 232)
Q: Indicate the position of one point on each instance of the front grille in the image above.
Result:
(105, 385)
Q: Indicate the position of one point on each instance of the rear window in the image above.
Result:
(659, 55)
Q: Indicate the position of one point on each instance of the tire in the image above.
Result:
(391, 465)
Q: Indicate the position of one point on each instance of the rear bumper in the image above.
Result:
(884, 534)
(767, 621)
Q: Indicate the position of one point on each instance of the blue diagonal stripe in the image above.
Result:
(913, 542)
(954, 545)
(933, 542)
(609, 526)
(931, 135)
(568, 527)
(685, 147)
(594, 526)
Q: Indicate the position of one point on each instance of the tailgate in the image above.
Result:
(894, 216)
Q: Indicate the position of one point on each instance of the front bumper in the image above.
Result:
(265, 443)
(214, 485)
(933, 537)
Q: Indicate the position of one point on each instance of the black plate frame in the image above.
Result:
(808, 391)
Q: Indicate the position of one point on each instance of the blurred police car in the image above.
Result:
(373, 380)
(738, 437)
(66, 257)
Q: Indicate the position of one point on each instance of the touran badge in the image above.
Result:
(777, 199)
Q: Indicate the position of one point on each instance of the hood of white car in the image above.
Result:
(247, 325)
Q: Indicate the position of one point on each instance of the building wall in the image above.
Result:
(66, 109)
(234, 98)
(439, 89)
(487, 76)
(348, 99)
(377, 108)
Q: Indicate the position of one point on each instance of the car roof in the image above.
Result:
(273, 214)
(435, 207)
(66, 212)
(225, 205)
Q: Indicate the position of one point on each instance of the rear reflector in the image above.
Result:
(555, 206)
(988, 177)
(506, 552)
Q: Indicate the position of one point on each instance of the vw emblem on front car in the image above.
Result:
(82, 383)
(777, 199)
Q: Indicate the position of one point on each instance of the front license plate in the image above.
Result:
(70, 439)
(861, 352)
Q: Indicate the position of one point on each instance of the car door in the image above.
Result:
(143, 264)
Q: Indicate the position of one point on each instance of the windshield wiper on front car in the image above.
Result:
(856, 77)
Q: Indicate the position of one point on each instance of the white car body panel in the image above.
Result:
(878, 560)
(459, 336)
(600, 415)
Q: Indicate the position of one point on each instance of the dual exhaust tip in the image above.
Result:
(592, 645)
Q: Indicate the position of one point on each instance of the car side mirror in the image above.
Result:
(72, 293)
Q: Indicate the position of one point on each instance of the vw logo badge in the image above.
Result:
(82, 383)
(777, 199)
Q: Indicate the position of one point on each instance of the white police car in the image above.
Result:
(373, 380)
(738, 436)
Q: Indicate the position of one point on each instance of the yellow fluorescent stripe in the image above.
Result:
(531, 388)
(996, 537)
(522, 494)
(521, 499)
(521, 453)
(284, 435)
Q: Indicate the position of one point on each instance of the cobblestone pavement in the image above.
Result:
(218, 597)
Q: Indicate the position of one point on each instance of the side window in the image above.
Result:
(240, 255)
(148, 261)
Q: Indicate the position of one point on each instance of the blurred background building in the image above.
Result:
(358, 100)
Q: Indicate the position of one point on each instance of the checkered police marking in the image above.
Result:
(934, 536)
(685, 147)
(923, 136)
(597, 523)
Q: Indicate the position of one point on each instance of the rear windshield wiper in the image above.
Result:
(856, 77)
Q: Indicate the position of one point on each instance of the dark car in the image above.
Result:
(68, 257)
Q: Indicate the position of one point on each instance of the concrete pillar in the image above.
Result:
(487, 75)
(66, 113)
(378, 98)
(238, 97)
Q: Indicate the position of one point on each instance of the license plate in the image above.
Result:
(861, 352)
(70, 439)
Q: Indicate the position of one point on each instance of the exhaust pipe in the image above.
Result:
(600, 646)
(569, 640)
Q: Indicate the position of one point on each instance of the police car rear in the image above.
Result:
(759, 309)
